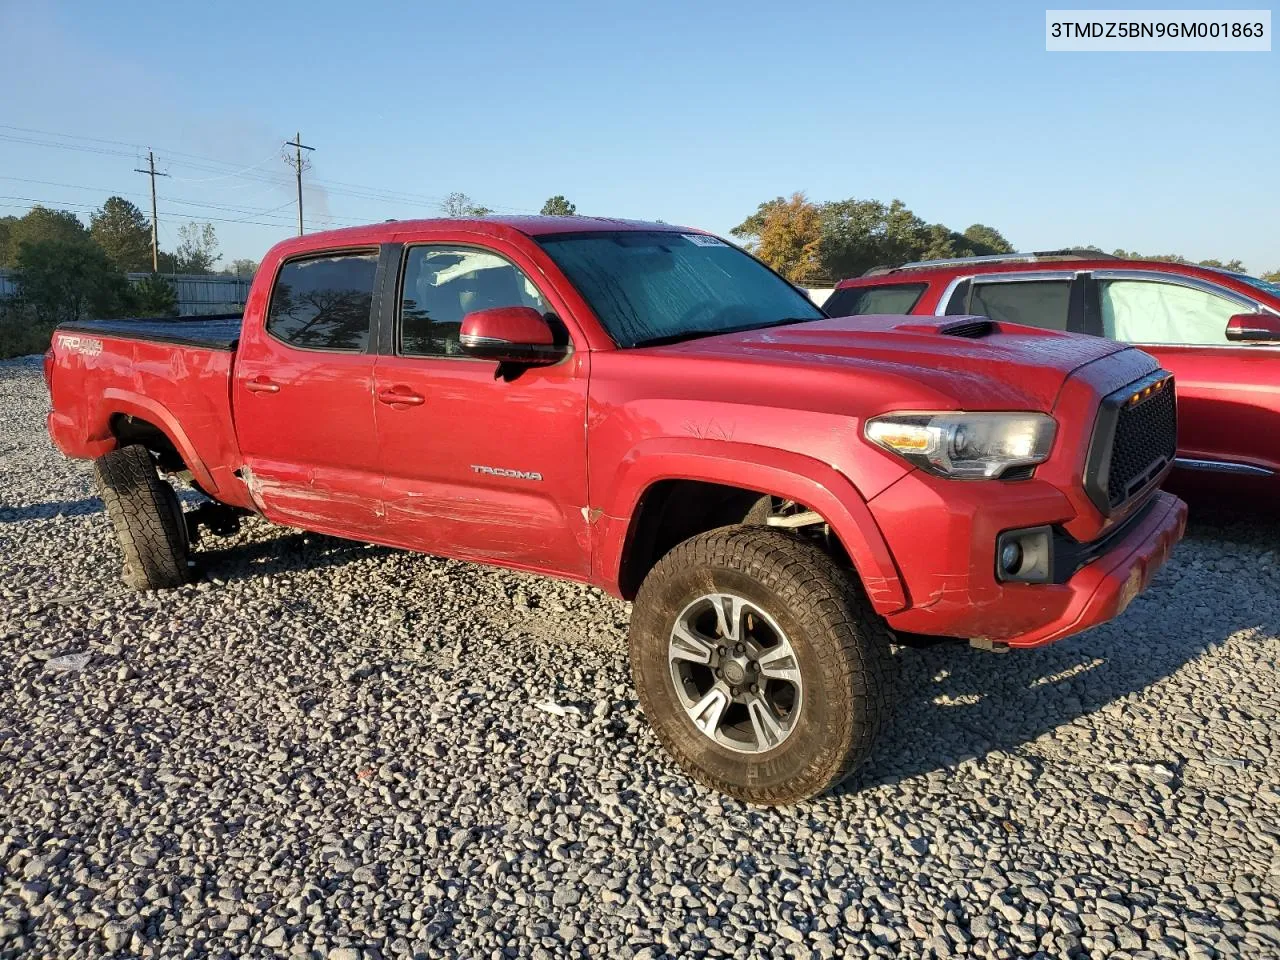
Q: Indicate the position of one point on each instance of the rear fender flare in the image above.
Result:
(781, 473)
(117, 401)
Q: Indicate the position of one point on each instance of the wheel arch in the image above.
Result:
(131, 418)
(624, 537)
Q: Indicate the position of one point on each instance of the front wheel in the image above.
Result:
(759, 664)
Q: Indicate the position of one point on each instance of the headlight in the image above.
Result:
(971, 446)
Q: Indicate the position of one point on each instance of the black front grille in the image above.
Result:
(1146, 438)
(1134, 441)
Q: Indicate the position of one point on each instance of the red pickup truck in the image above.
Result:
(649, 409)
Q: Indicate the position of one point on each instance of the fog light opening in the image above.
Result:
(1025, 556)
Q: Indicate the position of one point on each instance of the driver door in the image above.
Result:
(477, 465)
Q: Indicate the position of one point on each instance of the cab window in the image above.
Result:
(1151, 311)
(1033, 303)
(442, 284)
(323, 303)
(858, 301)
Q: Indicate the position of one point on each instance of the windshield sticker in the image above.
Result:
(703, 240)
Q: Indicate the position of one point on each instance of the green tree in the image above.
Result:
(40, 224)
(938, 242)
(860, 234)
(986, 241)
(241, 268)
(1235, 266)
(197, 249)
(124, 233)
(558, 206)
(153, 296)
(1272, 277)
(6, 226)
(69, 280)
(460, 205)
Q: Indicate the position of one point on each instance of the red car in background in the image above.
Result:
(1217, 332)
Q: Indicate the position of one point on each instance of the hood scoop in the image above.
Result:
(971, 328)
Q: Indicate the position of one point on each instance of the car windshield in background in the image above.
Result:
(857, 301)
(1266, 286)
(658, 287)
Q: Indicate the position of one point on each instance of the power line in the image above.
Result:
(225, 176)
(25, 203)
(230, 170)
(200, 204)
(211, 165)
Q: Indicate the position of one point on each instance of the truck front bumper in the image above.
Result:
(947, 554)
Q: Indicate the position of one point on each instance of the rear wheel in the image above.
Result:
(147, 517)
(759, 664)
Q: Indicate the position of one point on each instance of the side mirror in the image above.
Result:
(510, 335)
(1254, 328)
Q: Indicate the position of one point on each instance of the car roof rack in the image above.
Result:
(1069, 253)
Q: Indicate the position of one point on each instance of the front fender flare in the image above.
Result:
(781, 473)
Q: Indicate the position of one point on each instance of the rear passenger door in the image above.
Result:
(303, 397)
(1049, 299)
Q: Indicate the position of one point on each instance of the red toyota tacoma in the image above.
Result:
(649, 409)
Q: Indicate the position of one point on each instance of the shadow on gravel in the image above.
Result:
(1235, 526)
(290, 552)
(47, 511)
(953, 702)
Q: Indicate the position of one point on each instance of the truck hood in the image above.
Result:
(971, 362)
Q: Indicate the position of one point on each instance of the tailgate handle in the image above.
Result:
(400, 395)
(262, 385)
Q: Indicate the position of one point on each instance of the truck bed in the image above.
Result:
(217, 332)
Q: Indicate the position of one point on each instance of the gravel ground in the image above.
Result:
(331, 750)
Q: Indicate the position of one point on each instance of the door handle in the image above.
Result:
(397, 396)
(262, 385)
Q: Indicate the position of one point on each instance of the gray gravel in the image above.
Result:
(335, 751)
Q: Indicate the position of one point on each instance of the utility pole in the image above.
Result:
(298, 167)
(155, 226)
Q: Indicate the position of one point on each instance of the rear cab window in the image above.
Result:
(324, 302)
(889, 298)
(1033, 303)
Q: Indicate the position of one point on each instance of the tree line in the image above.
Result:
(66, 271)
(461, 205)
(820, 242)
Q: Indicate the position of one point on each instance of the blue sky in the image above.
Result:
(687, 112)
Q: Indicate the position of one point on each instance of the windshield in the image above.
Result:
(1266, 286)
(659, 287)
